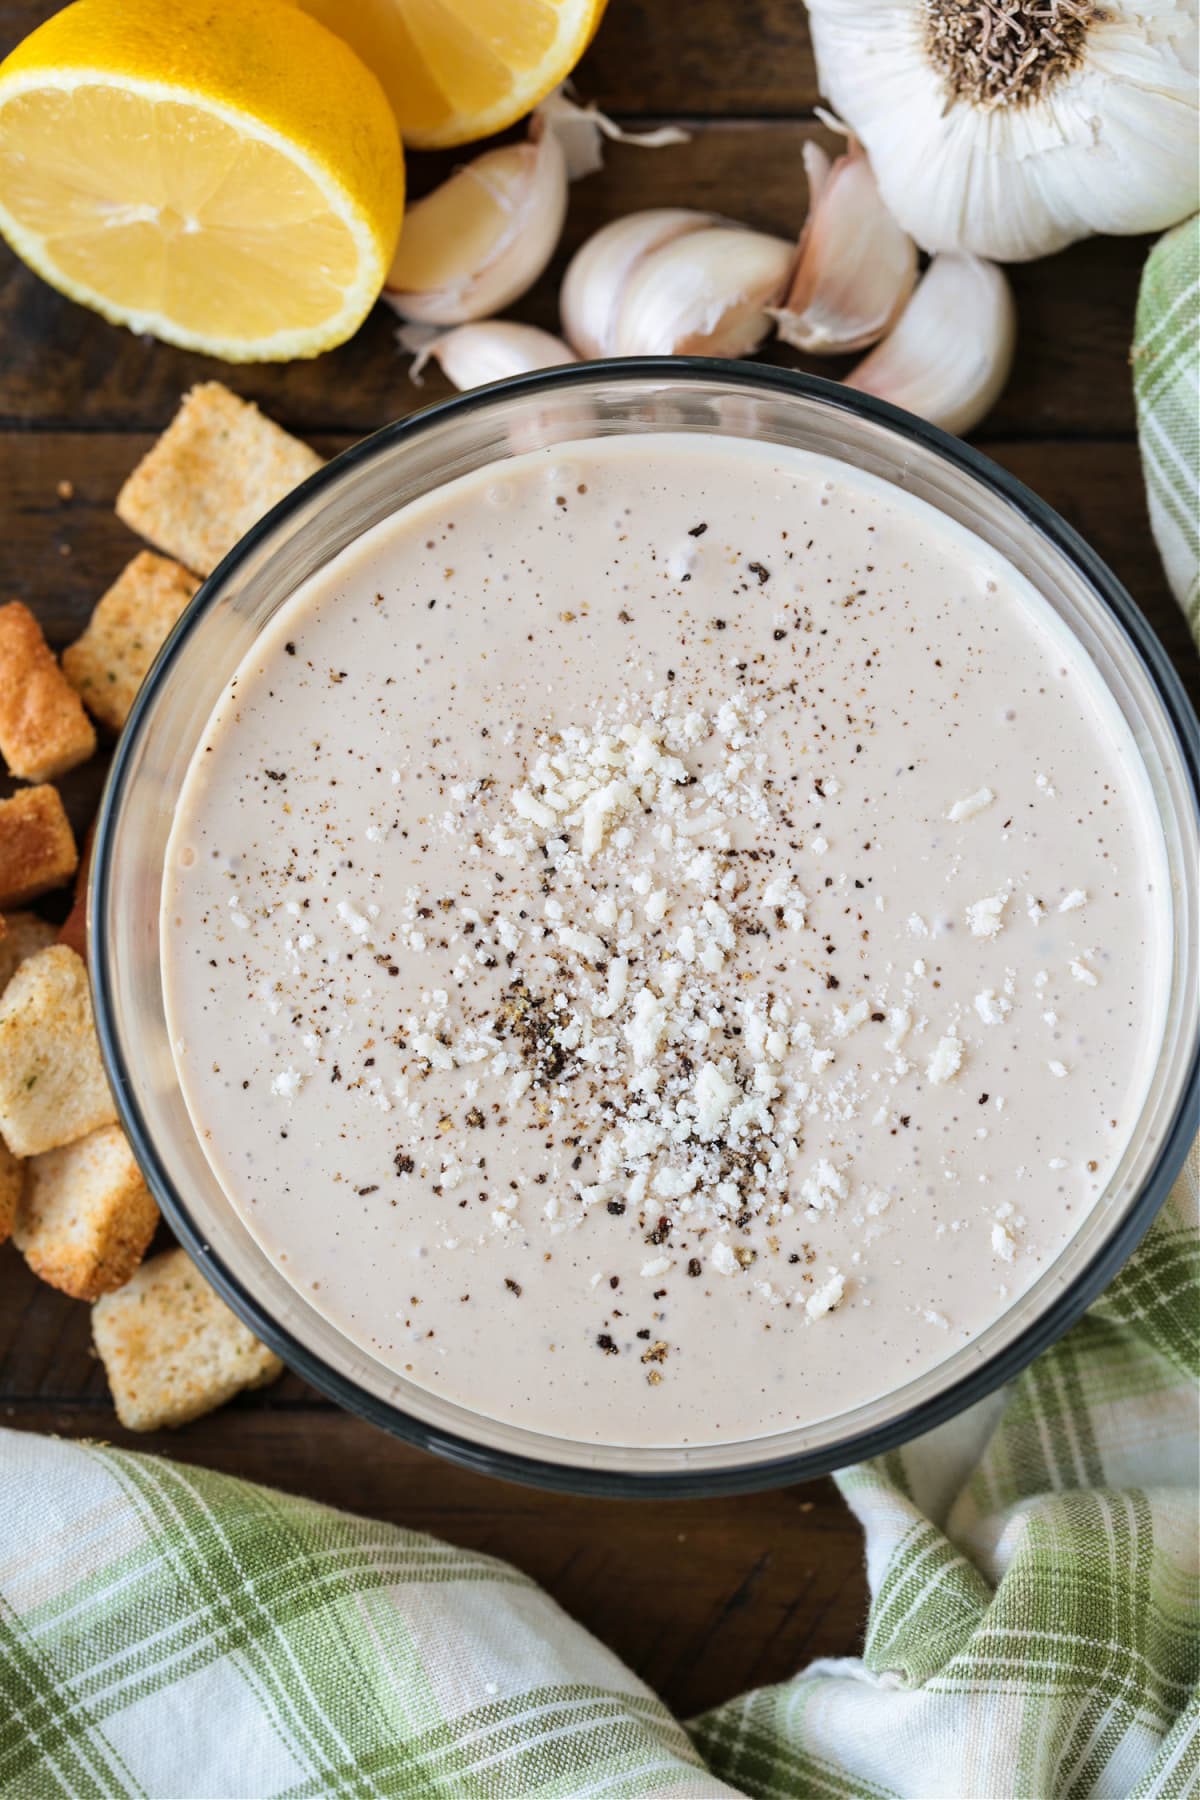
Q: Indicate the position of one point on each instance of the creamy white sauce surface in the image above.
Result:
(660, 940)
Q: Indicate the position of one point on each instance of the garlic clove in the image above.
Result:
(855, 267)
(949, 357)
(708, 293)
(598, 272)
(478, 242)
(485, 350)
(817, 165)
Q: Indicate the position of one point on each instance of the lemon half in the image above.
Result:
(456, 70)
(225, 174)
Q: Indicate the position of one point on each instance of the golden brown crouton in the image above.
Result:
(52, 1083)
(216, 469)
(128, 628)
(43, 727)
(11, 1175)
(24, 935)
(37, 845)
(171, 1349)
(86, 1216)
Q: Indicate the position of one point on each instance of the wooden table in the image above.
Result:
(701, 1598)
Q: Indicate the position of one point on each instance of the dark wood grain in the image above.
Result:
(1070, 377)
(706, 1598)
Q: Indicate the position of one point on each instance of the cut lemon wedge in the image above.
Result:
(222, 173)
(455, 70)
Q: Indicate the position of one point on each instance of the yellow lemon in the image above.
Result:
(223, 173)
(455, 70)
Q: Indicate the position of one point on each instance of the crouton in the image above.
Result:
(24, 934)
(85, 1217)
(52, 1083)
(216, 469)
(128, 628)
(43, 727)
(37, 845)
(11, 1177)
(171, 1349)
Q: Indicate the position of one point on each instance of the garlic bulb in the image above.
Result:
(485, 350)
(478, 242)
(598, 272)
(1009, 128)
(855, 267)
(707, 293)
(950, 355)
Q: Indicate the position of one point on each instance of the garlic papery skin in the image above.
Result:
(708, 293)
(597, 274)
(478, 242)
(485, 350)
(950, 354)
(583, 130)
(855, 267)
(1011, 130)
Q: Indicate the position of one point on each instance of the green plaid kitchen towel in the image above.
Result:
(1033, 1624)
(1166, 382)
(1034, 1628)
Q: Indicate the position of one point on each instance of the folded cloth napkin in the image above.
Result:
(1034, 1628)
(1166, 385)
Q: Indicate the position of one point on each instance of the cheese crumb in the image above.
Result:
(1002, 1244)
(1075, 899)
(714, 1095)
(986, 917)
(992, 1007)
(848, 1019)
(824, 1187)
(358, 922)
(827, 1295)
(658, 1265)
(946, 1061)
(972, 804)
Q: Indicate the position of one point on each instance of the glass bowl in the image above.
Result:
(354, 492)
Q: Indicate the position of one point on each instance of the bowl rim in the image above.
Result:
(578, 1478)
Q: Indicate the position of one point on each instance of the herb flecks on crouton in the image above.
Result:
(216, 469)
(171, 1349)
(128, 628)
(44, 730)
(86, 1217)
(37, 845)
(52, 1083)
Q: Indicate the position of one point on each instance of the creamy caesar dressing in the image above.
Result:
(660, 941)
